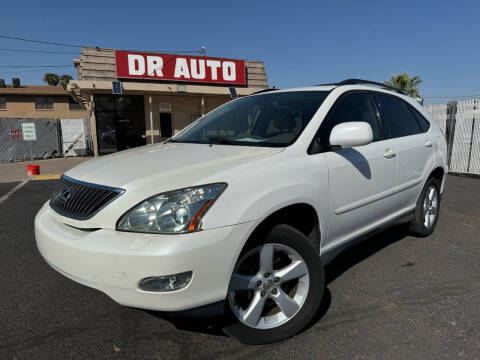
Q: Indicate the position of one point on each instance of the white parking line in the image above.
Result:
(8, 194)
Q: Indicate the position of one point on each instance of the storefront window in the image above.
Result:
(120, 122)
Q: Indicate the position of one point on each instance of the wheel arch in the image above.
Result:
(301, 216)
(439, 174)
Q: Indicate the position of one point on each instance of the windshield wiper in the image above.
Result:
(221, 140)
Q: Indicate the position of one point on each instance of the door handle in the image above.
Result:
(389, 153)
(428, 144)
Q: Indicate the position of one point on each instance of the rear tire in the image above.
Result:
(294, 278)
(426, 212)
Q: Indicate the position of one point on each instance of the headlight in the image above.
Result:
(177, 211)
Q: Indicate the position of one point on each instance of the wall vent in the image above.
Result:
(165, 107)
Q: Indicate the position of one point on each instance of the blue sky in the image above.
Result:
(301, 42)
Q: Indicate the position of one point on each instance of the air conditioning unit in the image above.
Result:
(16, 82)
(2, 83)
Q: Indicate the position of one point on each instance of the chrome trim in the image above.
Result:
(119, 192)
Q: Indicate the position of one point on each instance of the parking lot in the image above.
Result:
(390, 297)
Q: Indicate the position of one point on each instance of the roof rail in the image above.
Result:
(368, 82)
(264, 90)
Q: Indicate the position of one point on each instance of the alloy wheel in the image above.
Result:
(269, 286)
(430, 206)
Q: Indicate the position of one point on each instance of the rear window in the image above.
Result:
(398, 119)
(424, 124)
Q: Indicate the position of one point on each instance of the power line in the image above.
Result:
(39, 41)
(80, 46)
(19, 72)
(76, 53)
(450, 97)
(39, 51)
(33, 66)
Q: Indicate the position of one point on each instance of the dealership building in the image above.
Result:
(135, 98)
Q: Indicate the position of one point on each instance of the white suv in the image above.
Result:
(246, 206)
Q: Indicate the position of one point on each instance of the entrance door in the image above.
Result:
(120, 122)
(166, 128)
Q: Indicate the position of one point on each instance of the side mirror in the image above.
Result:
(351, 134)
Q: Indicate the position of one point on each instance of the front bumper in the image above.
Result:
(115, 262)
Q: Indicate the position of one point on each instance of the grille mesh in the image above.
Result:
(79, 200)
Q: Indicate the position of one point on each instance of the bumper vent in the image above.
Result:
(80, 200)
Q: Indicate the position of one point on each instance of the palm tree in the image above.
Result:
(51, 79)
(64, 79)
(405, 83)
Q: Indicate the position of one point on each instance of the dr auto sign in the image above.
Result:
(195, 69)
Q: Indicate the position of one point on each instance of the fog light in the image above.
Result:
(166, 283)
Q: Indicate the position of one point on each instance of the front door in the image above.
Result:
(361, 179)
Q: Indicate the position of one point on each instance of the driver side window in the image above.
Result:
(353, 107)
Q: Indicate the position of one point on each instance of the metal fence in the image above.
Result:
(459, 122)
(54, 138)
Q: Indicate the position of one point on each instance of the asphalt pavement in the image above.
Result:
(390, 297)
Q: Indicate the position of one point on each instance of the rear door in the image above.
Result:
(413, 144)
(361, 179)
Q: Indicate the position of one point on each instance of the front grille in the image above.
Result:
(80, 200)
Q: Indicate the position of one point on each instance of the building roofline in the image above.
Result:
(34, 90)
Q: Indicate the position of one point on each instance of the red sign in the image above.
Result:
(16, 134)
(195, 69)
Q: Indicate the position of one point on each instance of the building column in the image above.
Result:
(93, 126)
(203, 105)
(151, 118)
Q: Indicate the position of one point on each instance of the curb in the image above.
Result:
(47, 177)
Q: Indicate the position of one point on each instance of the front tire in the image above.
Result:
(426, 212)
(276, 287)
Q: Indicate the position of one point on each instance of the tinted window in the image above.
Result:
(424, 124)
(399, 120)
(120, 122)
(353, 107)
(271, 119)
(43, 103)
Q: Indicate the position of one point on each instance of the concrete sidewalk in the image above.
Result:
(51, 168)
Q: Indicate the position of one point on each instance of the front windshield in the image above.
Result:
(270, 119)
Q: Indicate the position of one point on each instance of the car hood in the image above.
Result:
(167, 165)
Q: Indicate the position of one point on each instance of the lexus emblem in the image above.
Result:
(65, 194)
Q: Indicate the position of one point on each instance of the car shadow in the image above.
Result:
(343, 262)
(185, 322)
(357, 159)
(363, 249)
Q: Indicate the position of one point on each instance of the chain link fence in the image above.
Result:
(54, 138)
(459, 122)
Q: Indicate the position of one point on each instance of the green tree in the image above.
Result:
(51, 79)
(64, 79)
(409, 85)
